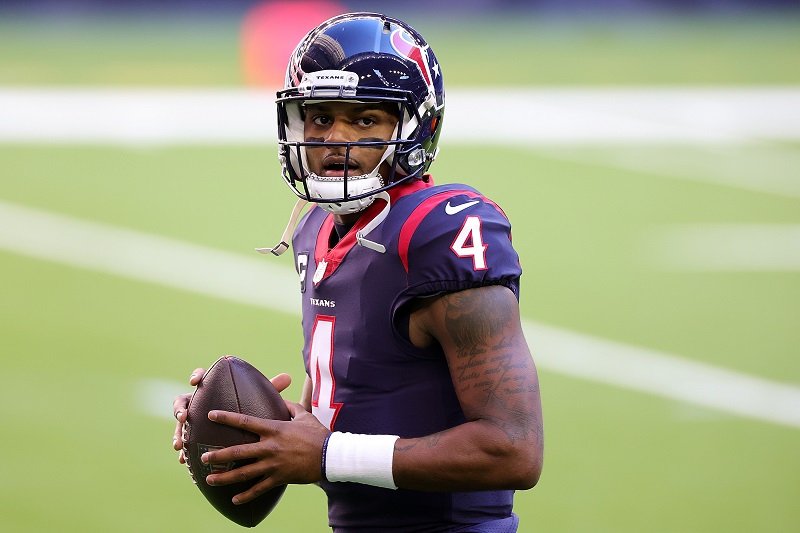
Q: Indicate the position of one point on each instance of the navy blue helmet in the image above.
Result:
(367, 58)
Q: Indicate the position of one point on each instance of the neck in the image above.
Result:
(346, 220)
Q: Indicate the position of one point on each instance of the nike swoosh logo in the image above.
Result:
(453, 209)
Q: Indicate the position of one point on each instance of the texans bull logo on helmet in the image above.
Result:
(405, 46)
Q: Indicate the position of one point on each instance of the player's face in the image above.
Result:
(346, 122)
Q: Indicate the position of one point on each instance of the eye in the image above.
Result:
(321, 120)
(365, 122)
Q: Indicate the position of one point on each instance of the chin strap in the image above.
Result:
(374, 223)
(282, 246)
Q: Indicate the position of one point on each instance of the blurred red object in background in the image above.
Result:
(271, 30)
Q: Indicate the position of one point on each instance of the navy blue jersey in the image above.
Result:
(367, 376)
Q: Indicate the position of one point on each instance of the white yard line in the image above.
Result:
(260, 281)
(154, 396)
(151, 258)
(638, 116)
(725, 247)
(489, 116)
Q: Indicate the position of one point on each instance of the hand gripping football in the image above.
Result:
(231, 384)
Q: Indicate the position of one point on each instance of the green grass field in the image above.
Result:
(85, 452)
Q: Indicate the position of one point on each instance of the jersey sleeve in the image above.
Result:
(456, 241)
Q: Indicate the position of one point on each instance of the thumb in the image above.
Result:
(281, 382)
(295, 409)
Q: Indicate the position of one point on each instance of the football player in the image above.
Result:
(420, 409)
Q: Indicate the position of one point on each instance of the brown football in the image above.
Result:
(231, 384)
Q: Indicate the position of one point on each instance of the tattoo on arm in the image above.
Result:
(430, 441)
(492, 369)
(472, 324)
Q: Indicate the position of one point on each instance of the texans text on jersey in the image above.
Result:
(322, 303)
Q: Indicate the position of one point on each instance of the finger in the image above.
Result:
(197, 376)
(255, 491)
(237, 475)
(232, 454)
(177, 438)
(259, 426)
(295, 409)
(179, 411)
(180, 404)
(282, 381)
(181, 457)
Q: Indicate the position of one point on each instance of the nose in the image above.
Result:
(339, 131)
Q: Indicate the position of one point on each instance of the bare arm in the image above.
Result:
(501, 444)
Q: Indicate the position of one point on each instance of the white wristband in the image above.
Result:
(359, 458)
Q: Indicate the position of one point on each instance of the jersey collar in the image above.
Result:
(328, 261)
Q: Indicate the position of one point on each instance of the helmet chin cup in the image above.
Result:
(321, 188)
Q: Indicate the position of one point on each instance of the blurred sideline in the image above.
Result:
(517, 117)
(263, 283)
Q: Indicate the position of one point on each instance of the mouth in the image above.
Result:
(334, 166)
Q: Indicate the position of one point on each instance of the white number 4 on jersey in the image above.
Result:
(469, 243)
